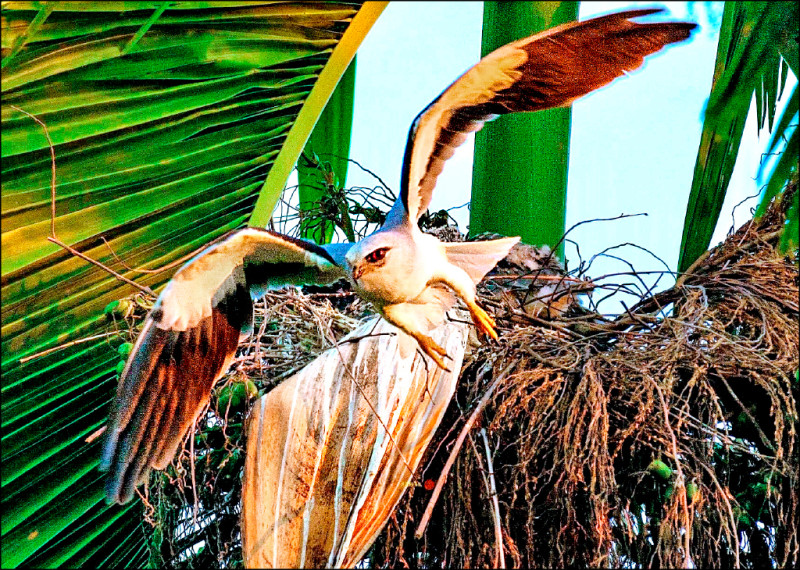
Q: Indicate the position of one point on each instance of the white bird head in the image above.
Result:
(371, 254)
(377, 264)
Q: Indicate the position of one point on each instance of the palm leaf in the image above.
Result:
(755, 38)
(525, 182)
(784, 170)
(329, 144)
(314, 105)
(165, 119)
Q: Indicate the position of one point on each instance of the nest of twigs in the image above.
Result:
(664, 435)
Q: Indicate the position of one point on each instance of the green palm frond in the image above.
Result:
(329, 143)
(318, 98)
(757, 41)
(526, 182)
(165, 118)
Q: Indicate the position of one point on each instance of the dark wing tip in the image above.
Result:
(163, 390)
(563, 64)
(682, 31)
(637, 13)
(309, 246)
(675, 31)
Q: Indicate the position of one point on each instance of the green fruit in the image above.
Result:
(118, 308)
(742, 515)
(236, 395)
(224, 396)
(111, 307)
(759, 490)
(120, 367)
(125, 349)
(691, 491)
(252, 389)
(659, 468)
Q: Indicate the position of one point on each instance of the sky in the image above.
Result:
(633, 143)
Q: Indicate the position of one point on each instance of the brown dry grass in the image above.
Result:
(710, 390)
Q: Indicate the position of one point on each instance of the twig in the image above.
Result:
(367, 170)
(191, 464)
(539, 278)
(370, 334)
(573, 226)
(553, 325)
(632, 316)
(604, 253)
(52, 168)
(165, 267)
(95, 434)
(690, 270)
(724, 492)
(681, 478)
(733, 211)
(423, 523)
(546, 361)
(758, 238)
(498, 532)
(65, 345)
(75, 252)
(53, 238)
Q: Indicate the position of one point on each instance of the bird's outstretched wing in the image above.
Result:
(188, 341)
(550, 69)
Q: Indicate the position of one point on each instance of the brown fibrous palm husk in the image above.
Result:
(583, 407)
(663, 436)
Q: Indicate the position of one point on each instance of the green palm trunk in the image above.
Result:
(521, 160)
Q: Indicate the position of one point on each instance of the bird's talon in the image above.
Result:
(439, 362)
(484, 323)
(433, 350)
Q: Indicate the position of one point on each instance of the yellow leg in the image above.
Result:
(482, 320)
(429, 347)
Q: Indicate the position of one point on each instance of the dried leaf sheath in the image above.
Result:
(321, 474)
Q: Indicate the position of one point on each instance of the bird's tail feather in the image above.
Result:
(477, 258)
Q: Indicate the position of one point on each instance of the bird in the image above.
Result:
(190, 336)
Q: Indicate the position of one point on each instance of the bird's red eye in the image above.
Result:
(377, 255)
